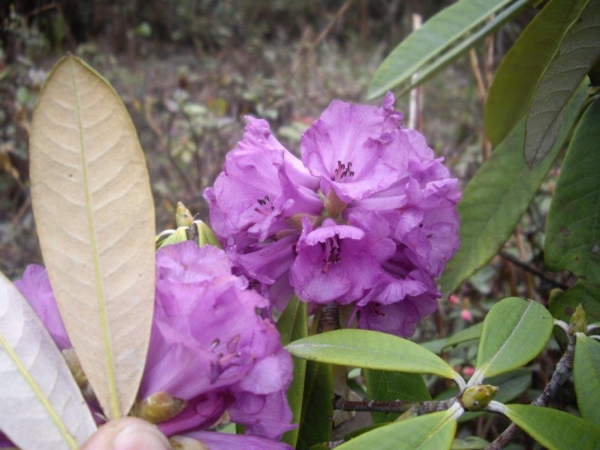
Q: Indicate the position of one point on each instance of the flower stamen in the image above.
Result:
(266, 206)
(343, 171)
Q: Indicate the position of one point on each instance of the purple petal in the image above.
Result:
(208, 345)
(399, 318)
(201, 412)
(35, 287)
(340, 262)
(264, 415)
(356, 150)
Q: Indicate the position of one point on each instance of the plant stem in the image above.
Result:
(397, 406)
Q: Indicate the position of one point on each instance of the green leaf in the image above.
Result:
(468, 334)
(42, 407)
(429, 432)
(578, 52)
(371, 350)
(439, 33)
(469, 41)
(496, 197)
(514, 332)
(392, 386)
(293, 325)
(519, 72)
(562, 305)
(317, 410)
(556, 430)
(94, 215)
(573, 226)
(586, 373)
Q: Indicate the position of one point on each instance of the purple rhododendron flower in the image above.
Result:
(367, 216)
(208, 348)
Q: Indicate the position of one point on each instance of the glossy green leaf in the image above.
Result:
(586, 373)
(468, 42)
(41, 406)
(370, 350)
(514, 332)
(436, 35)
(94, 216)
(392, 386)
(429, 432)
(317, 410)
(562, 304)
(293, 325)
(572, 229)
(468, 334)
(517, 76)
(555, 430)
(496, 197)
(578, 52)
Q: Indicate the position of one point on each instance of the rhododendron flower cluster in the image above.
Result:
(366, 217)
(210, 353)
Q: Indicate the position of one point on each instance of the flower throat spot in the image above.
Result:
(331, 248)
(343, 171)
(266, 206)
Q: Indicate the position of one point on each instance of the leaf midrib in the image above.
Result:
(39, 394)
(103, 316)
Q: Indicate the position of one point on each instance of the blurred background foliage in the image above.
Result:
(190, 70)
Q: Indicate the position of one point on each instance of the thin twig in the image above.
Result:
(559, 377)
(481, 88)
(22, 210)
(397, 406)
(523, 265)
(328, 28)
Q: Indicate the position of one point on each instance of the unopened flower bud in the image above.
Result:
(476, 398)
(179, 235)
(578, 323)
(183, 216)
(468, 371)
(161, 237)
(466, 315)
(158, 407)
(205, 234)
(453, 300)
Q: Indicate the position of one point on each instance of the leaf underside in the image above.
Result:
(42, 407)
(94, 214)
(579, 50)
(517, 76)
